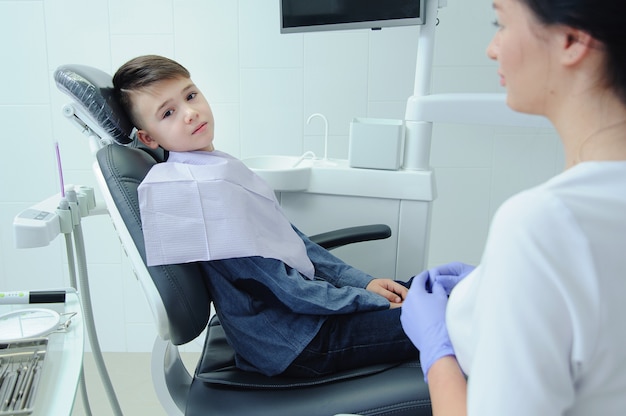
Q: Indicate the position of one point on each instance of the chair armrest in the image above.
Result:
(343, 236)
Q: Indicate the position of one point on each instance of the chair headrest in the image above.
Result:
(92, 89)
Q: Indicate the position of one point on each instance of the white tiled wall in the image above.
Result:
(262, 86)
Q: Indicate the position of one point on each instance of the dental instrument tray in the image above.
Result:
(21, 363)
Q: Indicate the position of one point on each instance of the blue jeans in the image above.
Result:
(352, 341)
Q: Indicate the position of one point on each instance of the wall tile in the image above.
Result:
(521, 162)
(139, 337)
(227, 128)
(335, 79)
(101, 241)
(105, 283)
(210, 51)
(465, 29)
(141, 16)
(392, 69)
(387, 109)
(75, 36)
(27, 136)
(455, 79)
(271, 112)
(460, 216)
(261, 43)
(126, 47)
(461, 145)
(24, 73)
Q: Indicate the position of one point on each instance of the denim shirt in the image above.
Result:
(270, 312)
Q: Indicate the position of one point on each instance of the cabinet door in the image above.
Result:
(317, 213)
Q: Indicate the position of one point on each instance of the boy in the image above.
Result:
(286, 304)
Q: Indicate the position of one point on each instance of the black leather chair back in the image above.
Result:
(184, 294)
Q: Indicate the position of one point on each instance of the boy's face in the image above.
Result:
(174, 115)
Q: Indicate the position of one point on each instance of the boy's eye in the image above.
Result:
(191, 96)
(497, 24)
(168, 113)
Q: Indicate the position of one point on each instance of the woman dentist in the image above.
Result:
(538, 328)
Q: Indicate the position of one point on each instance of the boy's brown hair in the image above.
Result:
(140, 73)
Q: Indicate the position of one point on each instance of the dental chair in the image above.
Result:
(181, 303)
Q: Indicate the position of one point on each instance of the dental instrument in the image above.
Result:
(20, 364)
(57, 152)
(305, 155)
(36, 296)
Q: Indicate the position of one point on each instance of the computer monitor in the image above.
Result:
(320, 15)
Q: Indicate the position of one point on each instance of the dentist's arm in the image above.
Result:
(423, 320)
(447, 387)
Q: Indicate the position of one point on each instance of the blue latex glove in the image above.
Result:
(448, 275)
(424, 321)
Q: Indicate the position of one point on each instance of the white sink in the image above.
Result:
(279, 171)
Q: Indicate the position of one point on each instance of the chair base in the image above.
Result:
(170, 378)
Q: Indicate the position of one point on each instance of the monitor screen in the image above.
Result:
(318, 15)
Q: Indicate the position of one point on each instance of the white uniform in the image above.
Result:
(540, 326)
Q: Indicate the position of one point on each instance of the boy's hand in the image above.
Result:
(390, 290)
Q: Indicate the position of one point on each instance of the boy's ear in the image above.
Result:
(145, 138)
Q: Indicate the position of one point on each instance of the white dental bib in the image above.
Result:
(201, 206)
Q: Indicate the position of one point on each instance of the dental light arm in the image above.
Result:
(484, 109)
(423, 108)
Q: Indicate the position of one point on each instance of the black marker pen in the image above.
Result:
(33, 296)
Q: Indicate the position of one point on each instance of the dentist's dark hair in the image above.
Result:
(604, 20)
(140, 73)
